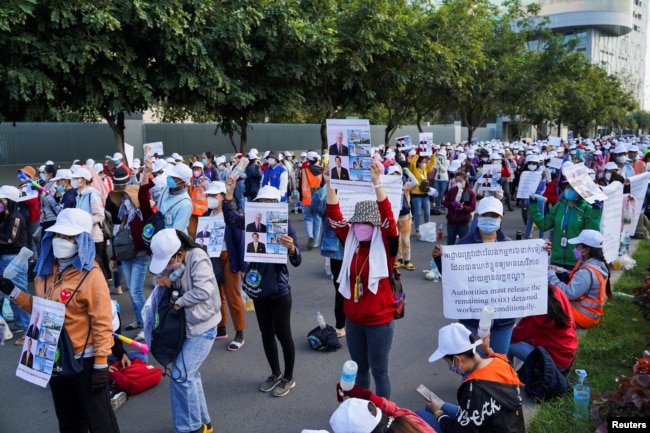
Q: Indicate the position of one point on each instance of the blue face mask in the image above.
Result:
(488, 225)
(60, 189)
(116, 162)
(456, 370)
(570, 195)
(171, 183)
(205, 161)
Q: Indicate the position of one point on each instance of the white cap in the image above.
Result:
(302, 154)
(164, 245)
(171, 161)
(41, 168)
(453, 339)
(620, 148)
(82, 172)
(49, 162)
(495, 156)
(313, 156)
(395, 168)
(490, 204)
(253, 154)
(180, 171)
(462, 157)
(118, 155)
(532, 158)
(177, 157)
(198, 164)
(136, 163)
(454, 166)
(220, 160)
(353, 416)
(62, 173)
(159, 164)
(591, 238)
(611, 166)
(268, 192)
(216, 187)
(633, 148)
(89, 162)
(71, 222)
(98, 167)
(9, 192)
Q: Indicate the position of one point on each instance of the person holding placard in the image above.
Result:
(403, 223)
(273, 312)
(533, 164)
(371, 243)
(567, 219)
(588, 282)
(460, 202)
(420, 167)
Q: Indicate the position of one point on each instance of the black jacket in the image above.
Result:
(13, 230)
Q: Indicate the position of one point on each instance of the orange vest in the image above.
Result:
(309, 183)
(199, 199)
(588, 311)
(639, 167)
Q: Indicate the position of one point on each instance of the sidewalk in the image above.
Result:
(530, 407)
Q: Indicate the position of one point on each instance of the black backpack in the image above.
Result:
(323, 339)
(168, 334)
(123, 243)
(154, 224)
(542, 379)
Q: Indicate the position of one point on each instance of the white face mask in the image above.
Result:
(63, 249)
(75, 183)
(213, 202)
(271, 161)
(532, 167)
(621, 159)
(160, 181)
(43, 176)
(608, 176)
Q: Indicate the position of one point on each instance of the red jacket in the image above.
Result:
(550, 193)
(371, 309)
(33, 205)
(560, 343)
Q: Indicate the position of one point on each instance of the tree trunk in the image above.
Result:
(243, 142)
(116, 123)
(231, 137)
(470, 133)
(419, 123)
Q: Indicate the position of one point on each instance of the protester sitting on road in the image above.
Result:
(588, 282)
(371, 243)
(66, 265)
(487, 383)
(227, 267)
(567, 219)
(490, 216)
(555, 331)
(364, 412)
(199, 298)
(273, 312)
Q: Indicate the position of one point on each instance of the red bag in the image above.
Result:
(137, 377)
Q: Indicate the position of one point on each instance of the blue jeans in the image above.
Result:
(189, 409)
(456, 230)
(21, 318)
(135, 272)
(420, 205)
(449, 409)
(369, 347)
(520, 350)
(239, 195)
(312, 224)
(441, 187)
(529, 221)
(499, 338)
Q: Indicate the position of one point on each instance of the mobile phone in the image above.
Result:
(427, 394)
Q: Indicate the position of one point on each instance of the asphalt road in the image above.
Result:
(231, 379)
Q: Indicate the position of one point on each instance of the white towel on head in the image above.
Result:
(377, 263)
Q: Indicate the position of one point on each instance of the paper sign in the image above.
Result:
(265, 223)
(509, 276)
(26, 192)
(38, 352)
(638, 188)
(426, 139)
(578, 177)
(350, 156)
(488, 178)
(528, 183)
(610, 220)
(128, 154)
(392, 187)
(209, 234)
(555, 163)
(555, 141)
(152, 149)
(404, 142)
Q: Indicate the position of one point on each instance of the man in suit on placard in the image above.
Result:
(33, 331)
(256, 246)
(338, 172)
(338, 148)
(256, 226)
(27, 358)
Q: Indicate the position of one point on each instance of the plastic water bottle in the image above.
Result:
(320, 320)
(7, 312)
(434, 270)
(174, 297)
(485, 323)
(348, 375)
(177, 273)
(20, 263)
(328, 267)
(581, 394)
(440, 232)
(626, 242)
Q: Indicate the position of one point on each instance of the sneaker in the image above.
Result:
(133, 326)
(118, 400)
(116, 291)
(417, 233)
(271, 382)
(409, 266)
(310, 244)
(139, 336)
(284, 387)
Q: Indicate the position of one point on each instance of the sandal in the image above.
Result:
(235, 345)
(20, 341)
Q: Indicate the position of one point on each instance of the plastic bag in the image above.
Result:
(428, 232)
(625, 262)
